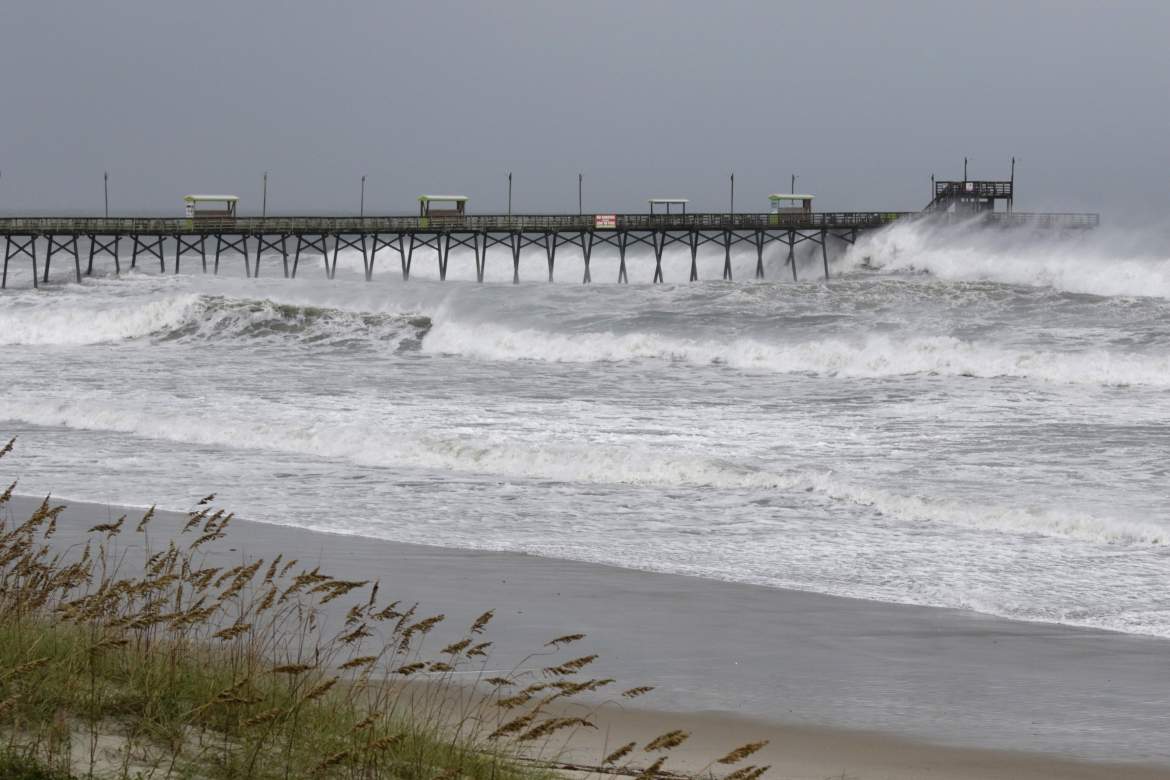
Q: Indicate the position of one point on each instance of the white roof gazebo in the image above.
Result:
(666, 203)
(458, 205)
(228, 203)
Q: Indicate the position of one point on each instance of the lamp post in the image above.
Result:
(580, 184)
(264, 198)
(733, 193)
(106, 191)
(362, 207)
(792, 189)
(509, 193)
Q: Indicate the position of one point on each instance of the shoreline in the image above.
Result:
(886, 687)
(348, 535)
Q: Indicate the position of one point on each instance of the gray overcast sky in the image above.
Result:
(863, 100)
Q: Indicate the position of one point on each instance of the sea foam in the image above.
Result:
(871, 356)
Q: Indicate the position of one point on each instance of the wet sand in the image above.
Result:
(863, 688)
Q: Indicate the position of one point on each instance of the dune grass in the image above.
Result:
(125, 658)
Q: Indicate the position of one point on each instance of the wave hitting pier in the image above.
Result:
(249, 237)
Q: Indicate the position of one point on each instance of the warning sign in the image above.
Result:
(605, 221)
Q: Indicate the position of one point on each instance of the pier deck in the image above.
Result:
(404, 235)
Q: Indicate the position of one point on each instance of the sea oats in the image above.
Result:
(620, 753)
(667, 741)
(564, 640)
(742, 752)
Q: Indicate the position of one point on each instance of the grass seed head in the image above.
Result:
(570, 667)
(667, 741)
(749, 772)
(564, 640)
(652, 771)
(620, 753)
(633, 693)
(145, 521)
(742, 752)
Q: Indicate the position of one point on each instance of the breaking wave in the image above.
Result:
(872, 357)
(368, 443)
(222, 318)
(75, 320)
(1100, 262)
(72, 320)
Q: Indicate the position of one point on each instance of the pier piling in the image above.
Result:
(328, 236)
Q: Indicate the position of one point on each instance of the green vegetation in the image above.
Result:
(184, 669)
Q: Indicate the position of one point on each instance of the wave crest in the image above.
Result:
(70, 319)
(871, 357)
(1100, 262)
(370, 444)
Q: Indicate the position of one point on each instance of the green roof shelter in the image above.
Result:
(196, 206)
(450, 205)
(791, 203)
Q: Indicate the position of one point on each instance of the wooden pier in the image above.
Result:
(86, 240)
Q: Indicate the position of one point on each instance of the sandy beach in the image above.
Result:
(841, 687)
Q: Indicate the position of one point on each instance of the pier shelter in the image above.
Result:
(790, 203)
(197, 206)
(967, 198)
(450, 205)
(665, 205)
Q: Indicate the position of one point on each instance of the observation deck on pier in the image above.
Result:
(249, 237)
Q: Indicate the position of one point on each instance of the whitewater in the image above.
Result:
(974, 420)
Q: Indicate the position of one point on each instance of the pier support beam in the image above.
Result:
(14, 246)
(550, 250)
(659, 238)
(435, 242)
(276, 245)
(759, 254)
(825, 251)
(184, 244)
(516, 258)
(240, 245)
(586, 252)
(394, 243)
(305, 241)
(341, 242)
(792, 252)
(469, 241)
(151, 245)
(727, 255)
(55, 245)
(693, 241)
(110, 247)
(623, 277)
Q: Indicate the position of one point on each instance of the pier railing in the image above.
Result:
(500, 223)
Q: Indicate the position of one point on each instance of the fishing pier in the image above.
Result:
(210, 238)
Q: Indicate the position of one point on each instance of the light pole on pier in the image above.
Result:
(264, 198)
(362, 206)
(733, 193)
(106, 191)
(580, 184)
(509, 193)
(792, 190)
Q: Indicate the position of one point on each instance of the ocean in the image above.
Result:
(956, 419)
